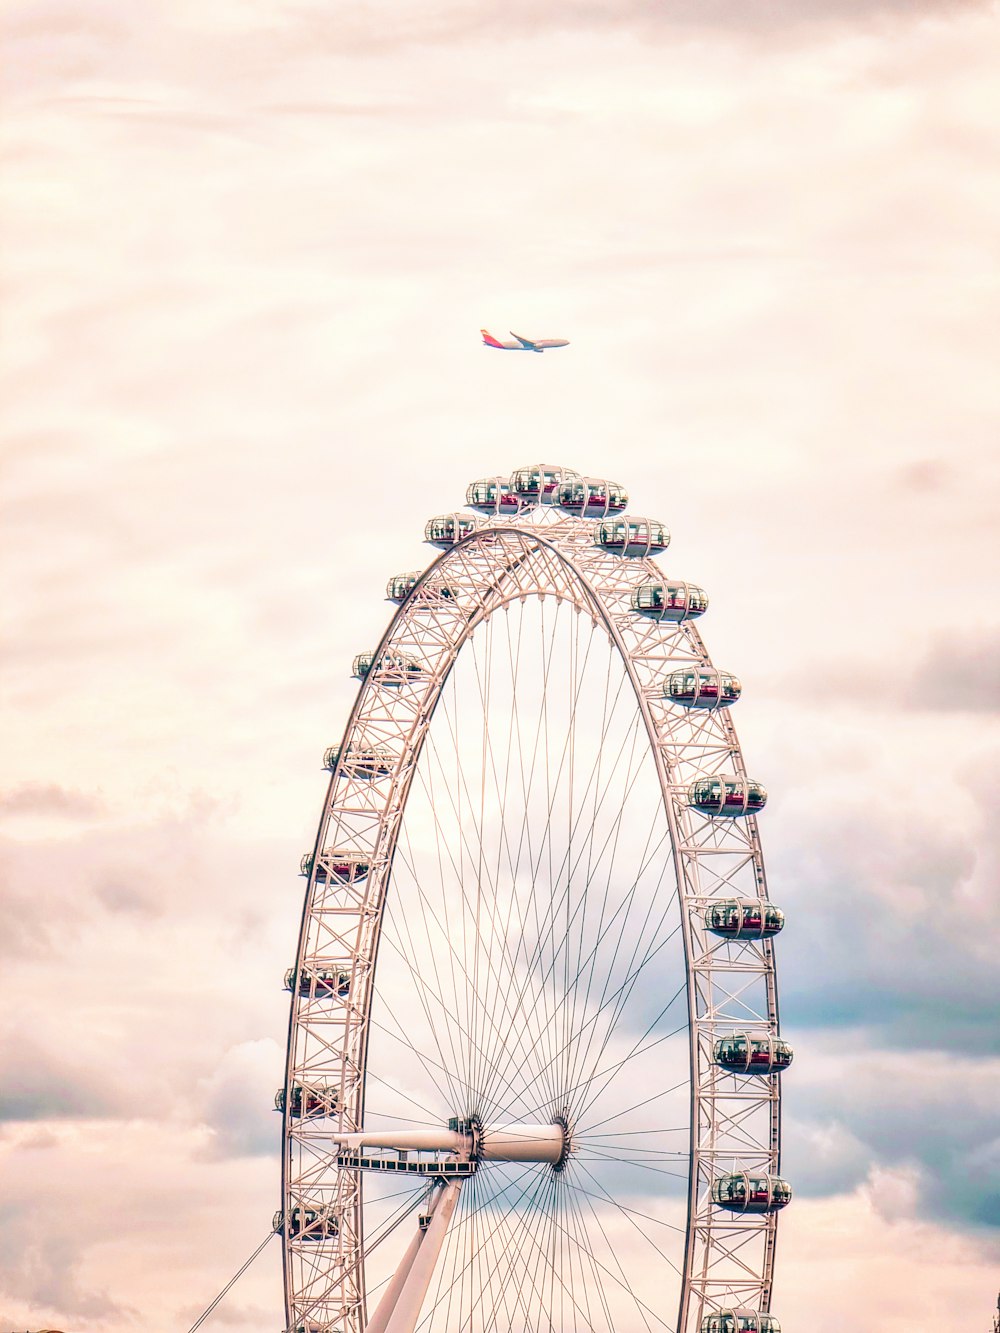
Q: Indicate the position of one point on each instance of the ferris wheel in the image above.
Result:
(534, 1060)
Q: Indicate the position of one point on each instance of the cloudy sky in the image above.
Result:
(247, 248)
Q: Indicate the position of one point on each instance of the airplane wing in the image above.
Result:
(526, 343)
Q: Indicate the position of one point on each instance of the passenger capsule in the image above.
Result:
(335, 867)
(670, 601)
(540, 484)
(389, 669)
(744, 918)
(400, 586)
(319, 983)
(308, 1103)
(739, 1321)
(447, 529)
(361, 761)
(750, 1192)
(702, 687)
(493, 495)
(308, 1221)
(586, 497)
(750, 1053)
(727, 796)
(632, 536)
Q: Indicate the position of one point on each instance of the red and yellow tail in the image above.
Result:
(489, 340)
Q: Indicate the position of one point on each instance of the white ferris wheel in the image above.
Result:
(533, 1059)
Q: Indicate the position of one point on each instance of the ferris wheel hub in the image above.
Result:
(470, 1142)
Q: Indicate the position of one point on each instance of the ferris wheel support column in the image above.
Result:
(399, 1309)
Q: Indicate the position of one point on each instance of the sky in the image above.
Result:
(247, 249)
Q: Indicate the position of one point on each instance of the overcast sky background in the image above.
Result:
(248, 246)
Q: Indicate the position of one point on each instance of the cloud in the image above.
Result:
(49, 799)
(855, 1110)
(83, 1214)
(42, 1084)
(237, 1100)
(880, 903)
(905, 1272)
(463, 21)
(959, 673)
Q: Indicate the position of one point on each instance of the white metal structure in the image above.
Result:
(536, 908)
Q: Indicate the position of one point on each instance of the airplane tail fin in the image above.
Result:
(489, 340)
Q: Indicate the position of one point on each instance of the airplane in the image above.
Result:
(523, 344)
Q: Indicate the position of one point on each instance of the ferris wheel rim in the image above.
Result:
(483, 535)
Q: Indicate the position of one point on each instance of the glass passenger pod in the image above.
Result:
(744, 918)
(390, 668)
(308, 1221)
(362, 761)
(335, 867)
(319, 983)
(751, 1053)
(739, 1321)
(493, 495)
(670, 601)
(702, 687)
(309, 1103)
(447, 529)
(632, 536)
(540, 484)
(587, 497)
(750, 1192)
(726, 795)
(400, 586)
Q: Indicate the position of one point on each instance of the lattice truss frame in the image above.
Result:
(728, 1260)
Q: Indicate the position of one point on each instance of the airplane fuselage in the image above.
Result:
(522, 344)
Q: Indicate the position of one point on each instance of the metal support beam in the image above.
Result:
(399, 1309)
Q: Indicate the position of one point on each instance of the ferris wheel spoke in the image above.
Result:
(462, 965)
(585, 1256)
(635, 1213)
(592, 1155)
(558, 1270)
(515, 1254)
(543, 939)
(448, 1277)
(583, 1082)
(571, 1090)
(635, 971)
(453, 796)
(398, 1092)
(470, 990)
(432, 1067)
(641, 1047)
(452, 1027)
(620, 1279)
(440, 932)
(534, 960)
(630, 1215)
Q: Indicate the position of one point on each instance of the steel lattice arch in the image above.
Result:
(533, 1043)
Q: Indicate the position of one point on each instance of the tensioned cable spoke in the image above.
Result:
(630, 1214)
(537, 1182)
(536, 956)
(620, 1278)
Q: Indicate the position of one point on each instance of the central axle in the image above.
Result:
(472, 1142)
